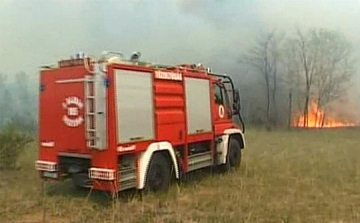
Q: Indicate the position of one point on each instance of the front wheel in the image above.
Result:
(158, 176)
(235, 154)
(233, 158)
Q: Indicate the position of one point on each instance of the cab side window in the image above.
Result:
(219, 99)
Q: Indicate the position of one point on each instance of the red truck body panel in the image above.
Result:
(56, 101)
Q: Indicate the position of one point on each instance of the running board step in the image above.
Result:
(200, 160)
(127, 178)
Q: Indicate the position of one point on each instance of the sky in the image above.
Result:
(38, 32)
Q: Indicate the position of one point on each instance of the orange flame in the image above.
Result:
(317, 119)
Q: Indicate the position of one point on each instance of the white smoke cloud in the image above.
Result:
(214, 32)
(38, 32)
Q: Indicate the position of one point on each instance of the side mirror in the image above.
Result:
(237, 96)
(236, 103)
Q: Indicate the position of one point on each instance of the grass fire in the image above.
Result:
(317, 118)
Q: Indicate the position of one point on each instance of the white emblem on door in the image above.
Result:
(221, 111)
(73, 105)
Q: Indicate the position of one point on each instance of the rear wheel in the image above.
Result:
(158, 176)
(233, 158)
(81, 180)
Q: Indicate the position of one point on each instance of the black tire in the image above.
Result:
(234, 153)
(158, 176)
(233, 158)
(81, 180)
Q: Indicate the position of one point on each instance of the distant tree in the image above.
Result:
(322, 57)
(12, 144)
(18, 101)
(6, 100)
(334, 68)
(308, 52)
(292, 78)
(263, 58)
(2, 99)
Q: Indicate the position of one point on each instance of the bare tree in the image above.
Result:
(17, 100)
(308, 50)
(304, 73)
(322, 58)
(334, 68)
(263, 58)
(2, 99)
(292, 77)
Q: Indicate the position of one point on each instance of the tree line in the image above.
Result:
(18, 101)
(298, 71)
(285, 75)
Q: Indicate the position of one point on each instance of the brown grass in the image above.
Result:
(296, 176)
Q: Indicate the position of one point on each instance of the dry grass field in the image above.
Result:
(286, 176)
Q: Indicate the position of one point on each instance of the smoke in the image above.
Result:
(39, 32)
(215, 33)
(42, 31)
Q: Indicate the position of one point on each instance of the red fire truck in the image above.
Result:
(115, 123)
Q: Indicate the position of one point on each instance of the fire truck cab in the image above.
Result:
(114, 123)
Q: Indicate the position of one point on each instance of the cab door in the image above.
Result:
(222, 113)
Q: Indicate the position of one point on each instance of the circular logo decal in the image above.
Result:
(73, 105)
(221, 111)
